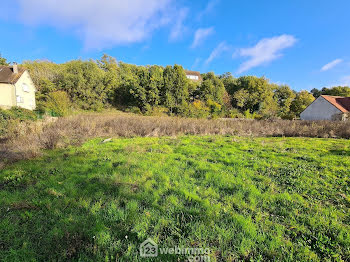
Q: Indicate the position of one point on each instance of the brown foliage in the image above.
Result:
(28, 139)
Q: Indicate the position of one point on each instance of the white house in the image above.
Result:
(327, 108)
(16, 88)
(193, 75)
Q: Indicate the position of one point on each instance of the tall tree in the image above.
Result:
(284, 97)
(3, 61)
(229, 82)
(111, 79)
(212, 88)
(83, 82)
(333, 91)
(302, 100)
(254, 94)
(175, 90)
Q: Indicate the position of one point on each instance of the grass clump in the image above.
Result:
(247, 199)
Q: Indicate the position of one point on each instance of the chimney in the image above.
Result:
(15, 68)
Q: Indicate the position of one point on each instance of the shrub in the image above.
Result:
(234, 113)
(14, 116)
(215, 108)
(157, 111)
(4, 117)
(197, 109)
(21, 114)
(134, 110)
(58, 103)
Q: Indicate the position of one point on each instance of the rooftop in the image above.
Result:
(7, 76)
(342, 103)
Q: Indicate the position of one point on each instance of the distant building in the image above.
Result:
(327, 108)
(193, 75)
(16, 88)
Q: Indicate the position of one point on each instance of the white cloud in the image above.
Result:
(332, 64)
(265, 51)
(200, 35)
(208, 9)
(178, 29)
(102, 23)
(221, 48)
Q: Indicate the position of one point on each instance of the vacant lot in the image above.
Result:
(261, 199)
(26, 139)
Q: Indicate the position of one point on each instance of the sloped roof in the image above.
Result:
(193, 73)
(342, 103)
(7, 76)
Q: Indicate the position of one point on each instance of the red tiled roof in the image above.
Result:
(342, 103)
(7, 76)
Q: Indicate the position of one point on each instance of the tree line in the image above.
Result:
(155, 90)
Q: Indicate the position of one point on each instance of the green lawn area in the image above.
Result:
(252, 199)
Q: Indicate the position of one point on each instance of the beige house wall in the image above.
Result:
(7, 96)
(26, 97)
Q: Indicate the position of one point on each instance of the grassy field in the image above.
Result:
(252, 199)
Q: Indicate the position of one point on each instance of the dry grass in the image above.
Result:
(28, 139)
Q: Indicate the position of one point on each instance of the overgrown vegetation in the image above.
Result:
(11, 118)
(247, 199)
(29, 138)
(106, 83)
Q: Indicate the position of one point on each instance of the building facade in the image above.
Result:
(327, 108)
(193, 75)
(16, 88)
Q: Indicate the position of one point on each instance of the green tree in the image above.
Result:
(212, 88)
(254, 94)
(128, 83)
(58, 103)
(284, 97)
(302, 100)
(111, 79)
(3, 61)
(84, 83)
(333, 91)
(229, 82)
(175, 92)
(154, 85)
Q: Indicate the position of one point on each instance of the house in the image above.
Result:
(327, 108)
(16, 88)
(193, 75)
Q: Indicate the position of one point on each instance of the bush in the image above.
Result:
(15, 114)
(234, 113)
(197, 109)
(157, 111)
(58, 104)
(4, 118)
(134, 110)
(21, 114)
(215, 108)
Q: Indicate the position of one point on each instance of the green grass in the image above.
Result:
(253, 199)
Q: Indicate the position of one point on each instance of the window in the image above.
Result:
(19, 99)
(25, 88)
(192, 77)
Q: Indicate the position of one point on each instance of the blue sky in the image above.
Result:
(302, 43)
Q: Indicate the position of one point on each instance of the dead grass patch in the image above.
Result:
(29, 139)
